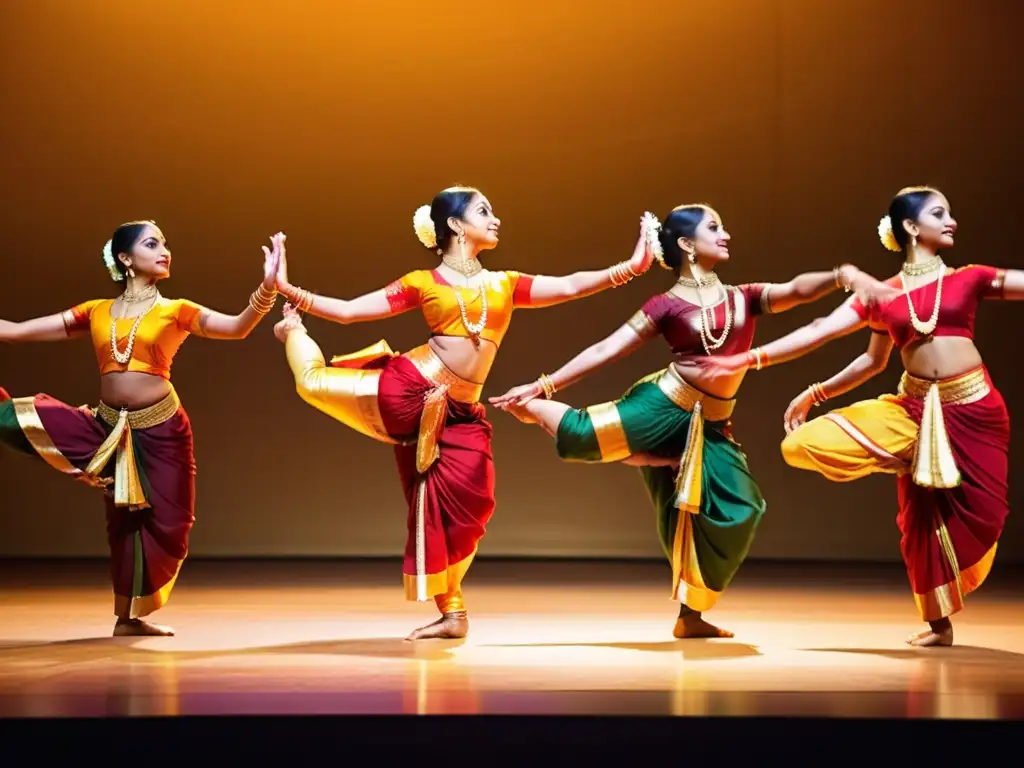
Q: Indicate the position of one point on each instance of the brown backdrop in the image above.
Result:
(333, 121)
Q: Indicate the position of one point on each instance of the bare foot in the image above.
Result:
(930, 637)
(451, 625)
(695, 626)
(140, 628)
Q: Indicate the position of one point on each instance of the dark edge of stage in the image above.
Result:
(176, 739)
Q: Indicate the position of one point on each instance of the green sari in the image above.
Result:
(709, 510)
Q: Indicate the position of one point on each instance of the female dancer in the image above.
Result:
(709, 510)
(137, 444)
(945, 434)
(426, 402)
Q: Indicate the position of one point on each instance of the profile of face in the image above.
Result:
(149, 256)
(478, 223)
(710, 241)
(935, 225)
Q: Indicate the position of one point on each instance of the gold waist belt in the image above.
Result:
(433, 369)
(686, 396)
(934, 464)
(128, 490)
(435, 407)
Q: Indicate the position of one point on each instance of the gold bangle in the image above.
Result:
(301, 299)
(547, 385)
(817, 392)
(262, 300)
(837, 275)
(621, 273)
(757, 358)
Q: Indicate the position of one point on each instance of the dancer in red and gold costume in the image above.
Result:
(136, 444)
(426, 401)
(946, 432)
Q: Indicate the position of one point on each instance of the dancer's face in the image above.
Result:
(480, 224)
(935, 226)
(149, 257)
(710, 241)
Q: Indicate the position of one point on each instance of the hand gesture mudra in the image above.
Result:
(517, 396)
(796, 413)
(643, 256)
(272, 261)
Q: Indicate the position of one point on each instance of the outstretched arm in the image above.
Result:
(49, 328)
(843, 321)
(217, 325)
(624, 341)
(811, 286)
(546, 291)
(394, 299)
(864, 367)
(1007, 284)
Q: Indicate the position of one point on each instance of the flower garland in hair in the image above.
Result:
(423, 225)
(651, 226)
(886, 235)
(108, 259)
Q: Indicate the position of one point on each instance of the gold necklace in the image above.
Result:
(921, 267)
(463, 265)
(926, 328)
(145, 294)
(123, 358)
(706, 281)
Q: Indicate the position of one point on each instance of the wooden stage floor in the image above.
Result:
(812, 642)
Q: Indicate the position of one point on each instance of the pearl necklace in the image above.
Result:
(123, 358)
(475, 329)
(928, 328)
(707, 314)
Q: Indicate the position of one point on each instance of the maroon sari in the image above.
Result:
(148, 537)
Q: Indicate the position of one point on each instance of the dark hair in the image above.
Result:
(681, 222)
(124, 239)
(908, 204)
(449, 203)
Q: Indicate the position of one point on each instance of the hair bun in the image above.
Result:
(108, 259)
(423, 225)
(887, 236)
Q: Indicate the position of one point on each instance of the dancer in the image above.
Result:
(709, 509)
(136, 444)
(945, 434)
(426, 402)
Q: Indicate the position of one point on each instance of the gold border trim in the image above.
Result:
(947, 599)
(433, 369)
(959, 390)
(689, 587)
(139, 607)
(686, 396)
(440, 583)
(611, 436)
(32, 427)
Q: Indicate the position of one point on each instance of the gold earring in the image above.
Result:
(131, 272)
(692, 258)
(462, 237)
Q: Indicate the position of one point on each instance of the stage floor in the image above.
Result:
(565, 638)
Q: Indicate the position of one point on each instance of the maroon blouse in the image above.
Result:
(678, 320)
(962, 289)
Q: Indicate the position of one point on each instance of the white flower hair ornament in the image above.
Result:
(651, 226)
(885, 234)
(424, 227)
(108, 259)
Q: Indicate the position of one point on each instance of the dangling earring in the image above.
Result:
(462, 238)
(131, 273)
(692, 258)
